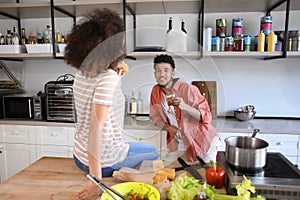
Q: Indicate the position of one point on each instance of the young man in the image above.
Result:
(185, 114)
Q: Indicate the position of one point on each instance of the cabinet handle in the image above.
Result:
(16, 133)
(279, 143)
(54, 134)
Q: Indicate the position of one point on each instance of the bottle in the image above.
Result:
(58, 36)
(15, 37)
(170, 25)
(261, 42)
(133, 105)
(47, 35)
(183, 26)
(23, 36)
(8, 39)
(2, 39)
(40, 38)
(272, 38)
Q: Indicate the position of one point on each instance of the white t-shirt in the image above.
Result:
(104, 89)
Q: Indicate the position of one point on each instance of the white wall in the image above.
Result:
(272, 86)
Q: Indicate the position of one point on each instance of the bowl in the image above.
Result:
(244, 115)
(128, 188)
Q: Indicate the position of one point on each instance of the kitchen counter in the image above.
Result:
(54, 178)
(48, 179)
(222, 124)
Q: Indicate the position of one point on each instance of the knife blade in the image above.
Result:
(202, 162)
(190, 169)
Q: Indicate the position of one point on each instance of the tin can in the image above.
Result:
(215, 43)
(266, 24)
(222, 43)
(221, 25)
(237, 26)
(228, 43)
(238, 44)
(247, 42)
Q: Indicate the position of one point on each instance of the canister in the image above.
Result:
(238, 44)
(221, 25)
(295, 43)
(237, 26)
(207, 34)
(215, 43)
(266, 24)
(228, 43)
(222, 43)
(247, 42)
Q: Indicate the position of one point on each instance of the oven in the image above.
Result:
(278, 179)
(60, 101)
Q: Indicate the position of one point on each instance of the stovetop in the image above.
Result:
(276, 180)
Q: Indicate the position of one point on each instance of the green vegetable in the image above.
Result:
(184, 188)
(243, 192)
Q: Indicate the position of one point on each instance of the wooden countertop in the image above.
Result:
(53, 179)
(47, 179)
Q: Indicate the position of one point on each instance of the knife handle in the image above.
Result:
(182, 162)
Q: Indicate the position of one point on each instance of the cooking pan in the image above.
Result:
(246, 152)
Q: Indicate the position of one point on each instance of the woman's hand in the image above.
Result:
(89, 192)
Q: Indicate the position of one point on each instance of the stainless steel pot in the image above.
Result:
(246, 152)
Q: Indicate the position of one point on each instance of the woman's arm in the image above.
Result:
(98, 117)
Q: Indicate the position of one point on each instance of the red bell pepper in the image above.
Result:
(215, 175)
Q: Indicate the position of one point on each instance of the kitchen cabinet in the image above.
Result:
(18, 149)
(54, 141)
(62, 9)
(21, 145)
(154, 137)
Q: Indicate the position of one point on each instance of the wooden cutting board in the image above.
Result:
(209, 90)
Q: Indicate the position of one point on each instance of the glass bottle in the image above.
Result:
(15, 37)
(170, 25)
(183, 26)
(58, 36)
(47, 35)
(40, 38)
(8, 38)
(133, 105)
(23, 36)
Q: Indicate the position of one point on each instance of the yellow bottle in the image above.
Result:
(261, 42)
(271, 41)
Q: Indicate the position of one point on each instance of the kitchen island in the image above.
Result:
(48, 179)
(52, 178)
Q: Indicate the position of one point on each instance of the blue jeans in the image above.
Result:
(137, 152)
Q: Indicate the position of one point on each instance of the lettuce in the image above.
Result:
(184, 188)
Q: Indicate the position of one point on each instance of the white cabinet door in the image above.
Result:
(18, 134)
(2, 163)
(286, 144)
(155, 137)
(17, 157)
(54, 141)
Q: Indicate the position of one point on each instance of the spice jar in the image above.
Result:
(238, 44)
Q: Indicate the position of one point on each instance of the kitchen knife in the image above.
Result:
(190, 169)
(202, 162)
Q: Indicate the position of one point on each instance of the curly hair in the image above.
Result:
(97, 27)
(164, 58)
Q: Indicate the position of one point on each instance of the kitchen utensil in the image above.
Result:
(105, 188)
(246, 152)
(190, 169)
(202, 162)
(209, 90)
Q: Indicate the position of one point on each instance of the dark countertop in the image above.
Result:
(222, 124)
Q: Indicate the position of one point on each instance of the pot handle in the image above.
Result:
(255, 131)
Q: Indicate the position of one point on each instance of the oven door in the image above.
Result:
(17, 107)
